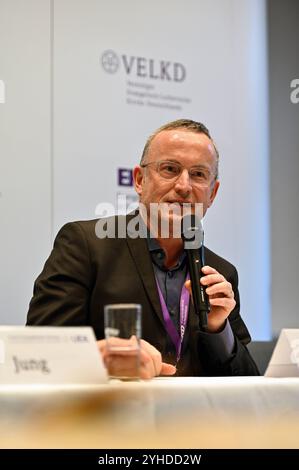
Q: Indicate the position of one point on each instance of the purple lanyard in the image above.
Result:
(176, 338)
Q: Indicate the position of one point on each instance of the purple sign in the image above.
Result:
(125, 177)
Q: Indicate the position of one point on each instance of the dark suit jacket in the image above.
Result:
(84, 273)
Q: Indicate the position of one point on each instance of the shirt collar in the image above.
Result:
(158, 254)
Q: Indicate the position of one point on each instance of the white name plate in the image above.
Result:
(50, 355)
(285, 358)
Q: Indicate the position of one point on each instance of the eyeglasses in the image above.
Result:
(169, 170)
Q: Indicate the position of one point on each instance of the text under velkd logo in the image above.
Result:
(110, 61)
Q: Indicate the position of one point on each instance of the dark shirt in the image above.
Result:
(171, 282)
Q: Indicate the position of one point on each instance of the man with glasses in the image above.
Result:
(178, 168)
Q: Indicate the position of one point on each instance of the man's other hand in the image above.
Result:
(123, 362)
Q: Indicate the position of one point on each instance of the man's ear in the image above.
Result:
(214, 192)
(138, 176)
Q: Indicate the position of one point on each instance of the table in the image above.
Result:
(201, 412)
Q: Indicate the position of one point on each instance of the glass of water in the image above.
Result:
(123, 332)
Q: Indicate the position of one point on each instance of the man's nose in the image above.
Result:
(183, 184)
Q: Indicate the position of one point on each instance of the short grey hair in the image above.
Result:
(187, 124)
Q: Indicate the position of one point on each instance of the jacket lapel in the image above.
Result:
(139, 251)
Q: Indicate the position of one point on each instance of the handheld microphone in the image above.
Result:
(193, 236)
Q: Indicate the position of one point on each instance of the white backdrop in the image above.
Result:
(204, 60)
(25, 157)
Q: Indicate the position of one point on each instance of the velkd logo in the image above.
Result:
(142, 67)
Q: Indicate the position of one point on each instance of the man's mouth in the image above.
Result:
(181, 203)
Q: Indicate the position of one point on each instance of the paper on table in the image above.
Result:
(51, 355)
(285, 358)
